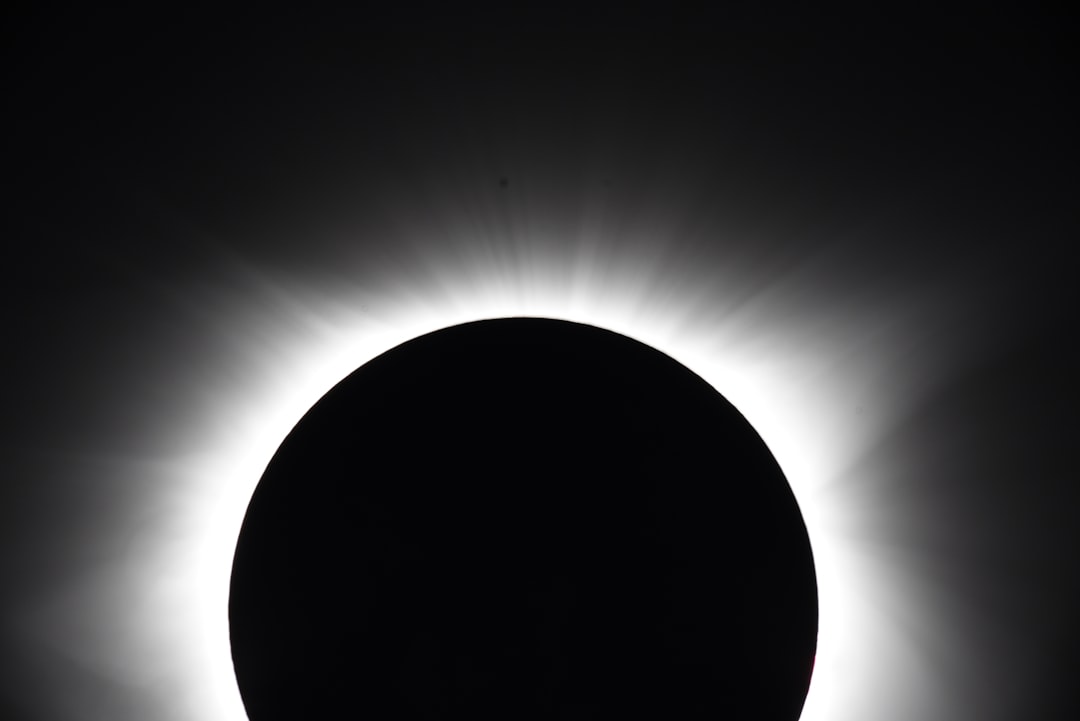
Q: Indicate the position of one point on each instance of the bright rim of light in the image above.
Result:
(804, 369)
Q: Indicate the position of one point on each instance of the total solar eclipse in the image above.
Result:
(523, 518)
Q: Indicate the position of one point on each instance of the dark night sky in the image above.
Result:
(193, 193)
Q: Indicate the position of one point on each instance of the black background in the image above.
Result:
(918, 147)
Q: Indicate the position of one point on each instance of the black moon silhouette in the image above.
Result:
(523, 519)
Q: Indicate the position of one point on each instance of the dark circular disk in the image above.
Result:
(523, 519)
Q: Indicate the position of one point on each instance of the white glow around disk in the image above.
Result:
(807, 368)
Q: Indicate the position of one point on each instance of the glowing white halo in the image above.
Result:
(803, 371)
